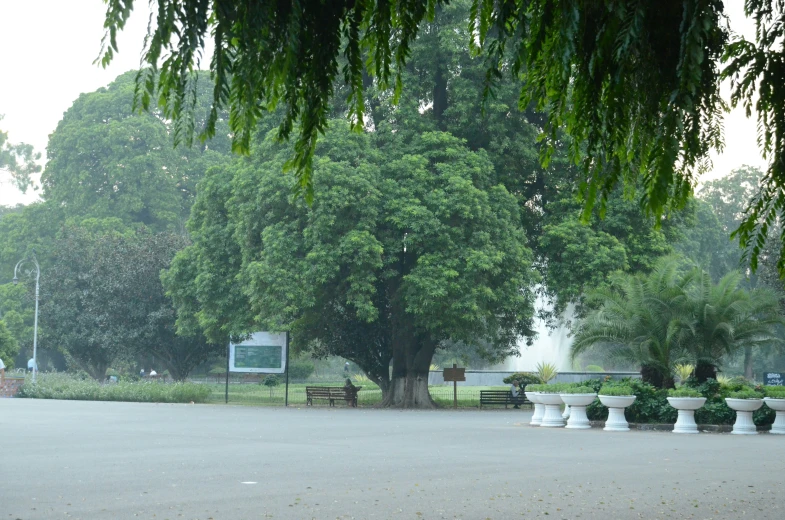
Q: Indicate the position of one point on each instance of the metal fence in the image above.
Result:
(252, 393)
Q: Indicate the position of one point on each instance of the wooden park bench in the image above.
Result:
(331, 394)
(494, 397)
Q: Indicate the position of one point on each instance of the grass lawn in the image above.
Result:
(257, 394)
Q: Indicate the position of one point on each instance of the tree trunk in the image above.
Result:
(704, 371)
(412, 355)
(654, 376)
(748, 372)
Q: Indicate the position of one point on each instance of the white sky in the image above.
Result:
(48, 48)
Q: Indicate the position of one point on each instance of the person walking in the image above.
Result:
(2, 370)
(32, 366)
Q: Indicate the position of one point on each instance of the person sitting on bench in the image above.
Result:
(515, 392)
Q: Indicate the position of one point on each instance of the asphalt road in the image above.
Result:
(92, 460)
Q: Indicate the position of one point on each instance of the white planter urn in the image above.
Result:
(577, 404)
(686, 407)
(616, 404)
(566, 414)
(539, 408)
(744, 409)
(552, 417)
(778, 405)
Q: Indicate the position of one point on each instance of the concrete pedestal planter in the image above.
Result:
(616, 404)
(778, 405)
(744, 409)
(577, 404)
(552, 417)
(686, 407)
(539, 408)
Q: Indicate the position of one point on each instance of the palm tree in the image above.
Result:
(673, 315)
(727, 318)
(639, 319)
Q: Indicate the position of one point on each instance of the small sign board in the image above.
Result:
(774, 378)
(262, 353)
(455, 374)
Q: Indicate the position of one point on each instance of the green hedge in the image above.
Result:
(651, 405)
(66, 386)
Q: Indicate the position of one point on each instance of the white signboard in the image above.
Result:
(262, 353)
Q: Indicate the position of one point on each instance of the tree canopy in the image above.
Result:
(19, 160)
(410, 242)
(634, 85)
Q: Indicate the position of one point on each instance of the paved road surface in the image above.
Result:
(90, 460)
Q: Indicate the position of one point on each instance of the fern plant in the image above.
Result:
(683, 371)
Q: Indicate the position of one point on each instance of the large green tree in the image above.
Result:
(634, 84)
(103, 301)
(105, 160)
(410, 242)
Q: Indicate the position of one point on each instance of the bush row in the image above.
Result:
(66, 386)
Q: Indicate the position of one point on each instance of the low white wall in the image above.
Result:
(495, 378)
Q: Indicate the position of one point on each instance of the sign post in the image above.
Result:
(262, 353)
(454, 374)
(774, 378)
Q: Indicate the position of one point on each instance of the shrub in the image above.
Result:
(684, 392)
(524, 378)
(546, 371)
(67, 386)
(535, 388)
(594, 368)
(746, 393)
(301, 369)
(775, 392)
(616, 390)
(683, 371)
(578, 390)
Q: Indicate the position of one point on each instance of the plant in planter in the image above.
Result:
(616, 398)
(533, 394)
(775, 399)
(549, 396)
(578, 398)
(744, 402)
(686, 401)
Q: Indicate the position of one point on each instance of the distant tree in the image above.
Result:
(105, 160)
(103, 301)
(8, 346)
(18, 160)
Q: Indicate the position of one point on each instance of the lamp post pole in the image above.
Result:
(34, 260)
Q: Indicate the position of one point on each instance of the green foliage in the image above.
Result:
(106, 161)
(19, 160)
(417, 230)
(536, 387)
(577, 390)
(754, 69)
(684, 392)
(775, 392)
(103, 300)
(615, 390)
(300, 369)
(676, 313)
(9, 348)
(745, 394)
(594, 368)
(524, 378)
(546, 371)
(65, 386)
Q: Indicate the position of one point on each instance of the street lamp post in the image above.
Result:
(34, 260)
